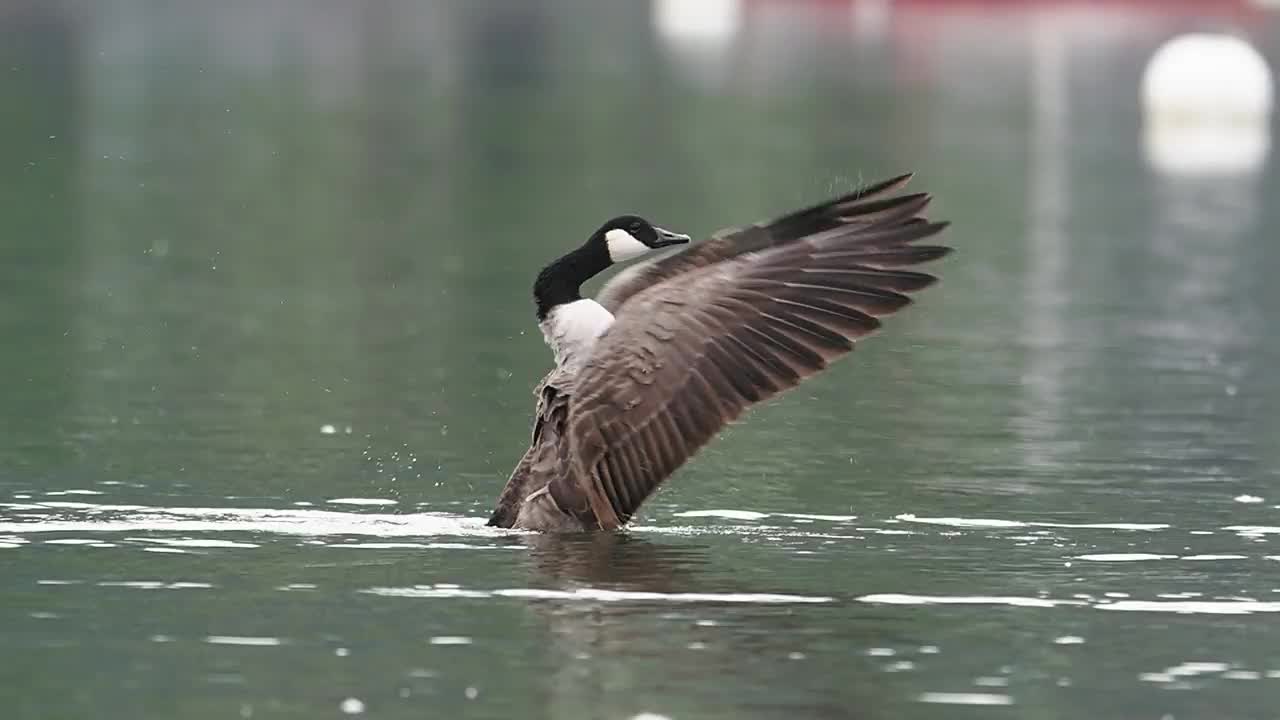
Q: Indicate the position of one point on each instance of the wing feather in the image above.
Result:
(867, 207)
(722, 330)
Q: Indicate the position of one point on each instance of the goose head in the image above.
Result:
(627, 237)
(623, 238)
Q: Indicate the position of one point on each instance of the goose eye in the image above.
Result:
(635, 226)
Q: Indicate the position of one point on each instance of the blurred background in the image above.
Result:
(259, 257)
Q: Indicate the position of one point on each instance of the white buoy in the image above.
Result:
(1207, 101)
(697, 21)
(698, 35)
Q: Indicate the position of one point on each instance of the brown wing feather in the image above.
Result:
(867, 205)
(545, 458)
(693, 352)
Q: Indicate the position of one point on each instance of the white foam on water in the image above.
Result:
(1184, 670)
(152, 584)
(427, 591)
(1253, 530)
(961, 522)
(194, 542)
(380, 545)
(791, 530)
(996, 523)
(633, 596)
(421, 546)
(729, 514)
(1136, 557)
(1208, 607)
(1195, 607)
(247, 640)
(87, 517)
(1125, 557)
(595, 595)
(1014, 601)
(361, 501)
(69, 505)
(965, 698)
(828, 518)
(450, 640)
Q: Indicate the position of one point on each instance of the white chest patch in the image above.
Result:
(571, 329)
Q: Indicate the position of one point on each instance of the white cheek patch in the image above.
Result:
(623, 245)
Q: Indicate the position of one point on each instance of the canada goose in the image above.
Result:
(673, 349)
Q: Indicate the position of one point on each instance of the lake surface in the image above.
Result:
(269, 347)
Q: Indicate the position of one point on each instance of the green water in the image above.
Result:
(268, 265)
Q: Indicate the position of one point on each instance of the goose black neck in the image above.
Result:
(561, 281)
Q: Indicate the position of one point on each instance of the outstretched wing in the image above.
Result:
(865, 205)
(690, 354)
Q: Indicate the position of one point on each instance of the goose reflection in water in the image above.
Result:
(631, 620)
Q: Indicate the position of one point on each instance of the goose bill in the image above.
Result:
(666, 238)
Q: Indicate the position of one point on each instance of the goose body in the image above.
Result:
(673, 349)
